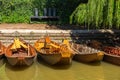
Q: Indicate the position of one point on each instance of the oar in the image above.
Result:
(47, 39)
(31, 35)
(76, 51)
(16, 34)
(28, 50)
(1, 47)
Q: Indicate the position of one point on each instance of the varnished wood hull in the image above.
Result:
(112, 59)
(53, 59)
(88, 57)
(2, 49)
(19, 59)
(52, 52)
(86, 54)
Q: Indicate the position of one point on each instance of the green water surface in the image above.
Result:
(75, 71)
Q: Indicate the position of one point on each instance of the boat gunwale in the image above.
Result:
(77, 52)
(111, 55)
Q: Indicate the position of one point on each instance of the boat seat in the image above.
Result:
(49, 14)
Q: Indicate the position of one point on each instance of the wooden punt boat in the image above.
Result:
(52, 52)
(86, 54)
(2, 50)
(20, 53)
(112, 55)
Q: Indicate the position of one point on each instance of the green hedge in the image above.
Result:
(13, 11)
(19, 11)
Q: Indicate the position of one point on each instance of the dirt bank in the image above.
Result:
(37, 26)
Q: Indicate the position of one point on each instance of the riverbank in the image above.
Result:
(39, 26)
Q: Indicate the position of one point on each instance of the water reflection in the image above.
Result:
(2, 61)
(20, 73)
(76, 71)
(56, 66)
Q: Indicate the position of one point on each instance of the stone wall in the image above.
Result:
(80, 36)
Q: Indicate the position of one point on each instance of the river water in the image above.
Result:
(76, 71)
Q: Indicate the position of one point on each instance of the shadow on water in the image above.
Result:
(16, 68)
(114, 64)
(56, 66)
(2, 61)
(96, 63)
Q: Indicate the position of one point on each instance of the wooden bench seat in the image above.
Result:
(49, 14)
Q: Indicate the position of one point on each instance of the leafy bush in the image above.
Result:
(19, 11)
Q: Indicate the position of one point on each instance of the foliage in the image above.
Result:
(117, 14)
(15, 10)
(80, 13)
(97, 14)
(93, 14)
(19, 11)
